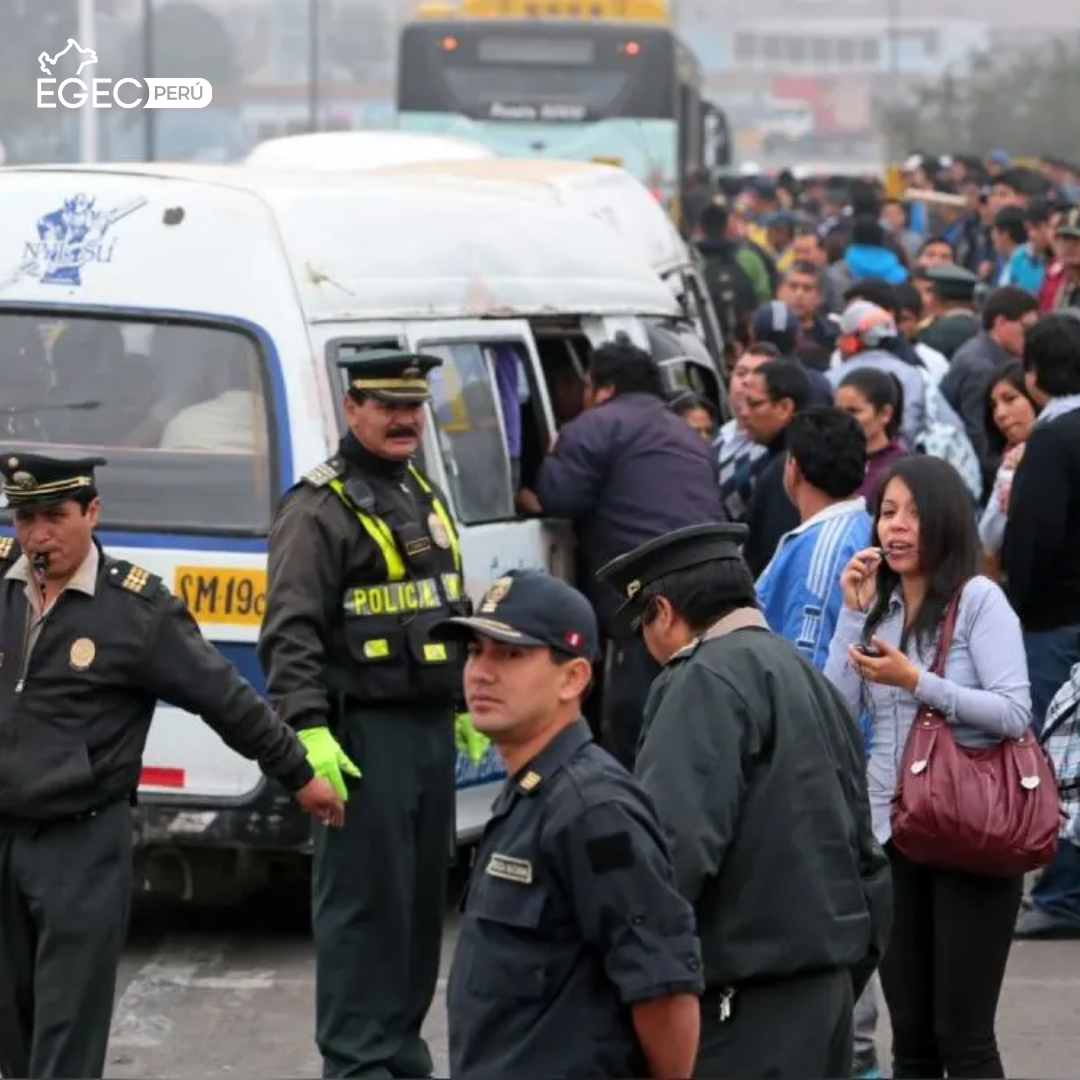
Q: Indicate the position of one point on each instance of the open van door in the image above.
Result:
(488, 401)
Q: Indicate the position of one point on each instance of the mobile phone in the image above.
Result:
(869, 650)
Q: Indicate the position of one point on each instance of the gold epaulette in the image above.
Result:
(9, 550)
(135, 579)
(322, 474)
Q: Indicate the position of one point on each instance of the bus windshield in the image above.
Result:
(579, 91)
(180, 413)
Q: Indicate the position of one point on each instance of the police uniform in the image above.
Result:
(364, 559)
(756, 768)
(951, 329)
(571, 913)
(78, 686)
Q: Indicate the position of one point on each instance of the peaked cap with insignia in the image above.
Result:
(655, 559)
(391, 376)
(38, 480)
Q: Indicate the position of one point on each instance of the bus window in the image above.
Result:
(179, 412)
(472, 429)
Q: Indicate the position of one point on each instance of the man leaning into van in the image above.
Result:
(364, 560)
(625, 471)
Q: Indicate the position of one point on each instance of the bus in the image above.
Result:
(587, 80)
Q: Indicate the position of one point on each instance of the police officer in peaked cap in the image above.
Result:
(756, 768)
(576, 956)
(88, 644)
(364, 560)
(953, 289)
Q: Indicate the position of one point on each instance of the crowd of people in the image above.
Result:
(905, 381)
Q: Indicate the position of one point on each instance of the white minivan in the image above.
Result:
(185, 323)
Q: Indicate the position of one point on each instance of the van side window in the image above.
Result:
(180, 412)
(473, 435)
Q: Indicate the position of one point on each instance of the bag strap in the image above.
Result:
(948, 628)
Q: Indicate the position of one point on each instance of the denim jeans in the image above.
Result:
(1050, 656)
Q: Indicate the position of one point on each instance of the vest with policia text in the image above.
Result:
(379, 649)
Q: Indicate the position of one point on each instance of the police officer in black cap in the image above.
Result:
(364, 560)
(757, 771)
(954, 321)
(87, 645)
(577, 956)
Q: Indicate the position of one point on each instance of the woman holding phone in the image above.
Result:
(952, 930)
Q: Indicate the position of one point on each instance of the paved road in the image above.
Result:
(230, 994)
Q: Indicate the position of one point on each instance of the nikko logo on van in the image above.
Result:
(126, 93)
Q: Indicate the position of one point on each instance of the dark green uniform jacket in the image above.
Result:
(75, 709)
(344, 626)
(758, 774)
(948, 332)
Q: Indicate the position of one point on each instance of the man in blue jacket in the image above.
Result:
(799, 591)
(625, 471)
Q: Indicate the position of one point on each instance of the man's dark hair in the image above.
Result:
(1052, 353)
(1010, 221)
(930, 241)
(702, 595)
(866, 229)
(1009, 302)
(908, 298)
(829, 446)
(875, 290)
(1039, 211)
(627, 368)
(714, 221)
(806, 269)
(788, 379)
(763, 348)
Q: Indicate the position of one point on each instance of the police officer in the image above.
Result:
(757, 771)
(576, 956)
(87, 645)
(954, 320)
(364, 560)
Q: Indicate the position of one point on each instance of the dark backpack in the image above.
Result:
(732, 294)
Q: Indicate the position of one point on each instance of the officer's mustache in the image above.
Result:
(402, 431)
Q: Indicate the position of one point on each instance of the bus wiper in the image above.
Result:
(47, 406)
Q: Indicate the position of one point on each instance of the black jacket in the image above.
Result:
(626, 472)
(757, 771)
(1041, 556)
(75, 713)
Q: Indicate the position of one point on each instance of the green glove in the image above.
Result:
(469, 740)
(327, 759)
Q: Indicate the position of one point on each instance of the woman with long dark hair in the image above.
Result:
(1011, 412)
(952, 930)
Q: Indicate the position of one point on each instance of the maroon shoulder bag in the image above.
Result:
(992, 811)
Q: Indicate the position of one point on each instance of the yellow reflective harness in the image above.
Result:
(382, 534)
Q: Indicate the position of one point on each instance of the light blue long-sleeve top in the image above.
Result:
(984, 693)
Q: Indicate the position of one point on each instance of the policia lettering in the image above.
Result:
(387, 623)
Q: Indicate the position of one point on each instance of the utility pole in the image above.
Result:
(88, 128)
(149, 115)
(314, 64)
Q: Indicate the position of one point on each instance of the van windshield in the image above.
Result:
(179, 411)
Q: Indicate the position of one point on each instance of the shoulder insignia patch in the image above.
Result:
(8, 548)
(529, 782)
(322, 474)
(125, 575)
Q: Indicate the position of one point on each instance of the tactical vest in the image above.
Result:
(383, 652)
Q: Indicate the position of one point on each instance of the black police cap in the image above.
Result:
(40, 480)
(951, 282)
(682, 549)
(529, 607)
(393, 376)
